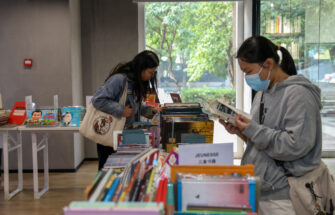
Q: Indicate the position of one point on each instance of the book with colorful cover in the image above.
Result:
(18, 114)
(41, 117)
(71, 116)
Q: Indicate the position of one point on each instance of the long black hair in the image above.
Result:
(133, 69)
(257, 49)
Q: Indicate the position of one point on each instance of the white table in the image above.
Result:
(12, 140)
(36, 147)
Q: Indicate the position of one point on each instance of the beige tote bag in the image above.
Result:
(98, 126)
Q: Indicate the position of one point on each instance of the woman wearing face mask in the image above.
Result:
(283, 136)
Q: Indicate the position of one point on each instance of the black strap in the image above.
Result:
(261, 110)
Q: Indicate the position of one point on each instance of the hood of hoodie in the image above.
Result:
(303, 81)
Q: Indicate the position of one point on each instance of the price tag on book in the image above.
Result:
(206, 154)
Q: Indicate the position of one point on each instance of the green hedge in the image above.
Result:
(201, 95)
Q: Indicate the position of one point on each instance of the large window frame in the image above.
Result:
(243, 21)
(257, 31)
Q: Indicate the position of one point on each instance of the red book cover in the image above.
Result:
(18, 114)
(175, 98)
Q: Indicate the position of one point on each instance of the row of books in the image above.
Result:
(114, 184)
(185, 122)
(46, 116)
(4, 115)
(155, 177)
(282, 24)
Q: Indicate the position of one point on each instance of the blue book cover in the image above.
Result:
(71, 116)
(41, 117)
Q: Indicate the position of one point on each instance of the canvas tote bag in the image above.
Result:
(98, 126)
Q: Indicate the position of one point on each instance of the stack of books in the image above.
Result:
(4, 115)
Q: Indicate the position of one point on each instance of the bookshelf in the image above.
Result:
(284, 25)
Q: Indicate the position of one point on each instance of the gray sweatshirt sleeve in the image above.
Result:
(106, 98)
(298, 134)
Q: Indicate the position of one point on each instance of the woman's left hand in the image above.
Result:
(156, 109)
(241, 122)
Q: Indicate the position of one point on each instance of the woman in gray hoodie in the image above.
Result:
(284, 135)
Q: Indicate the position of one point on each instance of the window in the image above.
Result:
(306, 29)
(196, 43)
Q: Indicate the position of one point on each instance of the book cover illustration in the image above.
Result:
(71, 116)
(41, 117)
(176, 98)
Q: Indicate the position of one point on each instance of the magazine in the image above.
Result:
(224, 111)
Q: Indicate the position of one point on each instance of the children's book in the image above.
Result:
(41, 117)
(71, 116)
(18, 113)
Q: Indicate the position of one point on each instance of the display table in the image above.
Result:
(37, 146)
(12, 140)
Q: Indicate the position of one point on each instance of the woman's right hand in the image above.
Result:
(230, 127)
(128, 111)
(233, 129)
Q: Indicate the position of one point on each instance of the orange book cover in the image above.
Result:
(18, 114)
(150, 98)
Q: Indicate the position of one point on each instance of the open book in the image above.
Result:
(224, 111)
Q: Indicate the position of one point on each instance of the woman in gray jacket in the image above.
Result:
(284, 135)
(140, 73)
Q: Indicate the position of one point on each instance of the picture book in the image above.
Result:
(175, 98)
(71, 116)
(18, 113)
(41, 117)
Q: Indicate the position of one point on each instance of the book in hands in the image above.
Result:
(224, 111)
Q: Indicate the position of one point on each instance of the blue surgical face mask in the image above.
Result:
(255, 82)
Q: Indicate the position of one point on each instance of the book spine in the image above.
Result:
(112, 190)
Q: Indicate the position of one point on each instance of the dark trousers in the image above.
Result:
(103, 153)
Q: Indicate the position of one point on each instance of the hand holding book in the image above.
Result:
(241, 122)
(224, 111)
